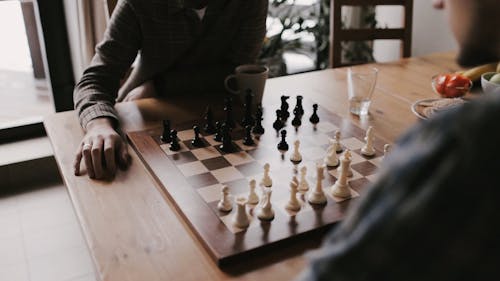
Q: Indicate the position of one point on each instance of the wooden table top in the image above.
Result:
(135, 233)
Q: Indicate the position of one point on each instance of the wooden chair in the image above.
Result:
(339, 35)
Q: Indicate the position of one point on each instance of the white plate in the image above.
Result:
(415, 106)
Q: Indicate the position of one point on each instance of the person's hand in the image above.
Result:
(102, 149)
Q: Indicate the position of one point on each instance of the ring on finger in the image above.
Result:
(86, 146)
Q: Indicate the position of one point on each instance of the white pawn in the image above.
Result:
(240, 219)
(387, 148)
(266, 211)
(296, 157)
(341, 188)
(266, 180)
(317, 196)
(225, 204)
(347, 154)
(336, 142)
(331, 159)
(368, 150)
(253, 198)
(303, 185)
(293, 203)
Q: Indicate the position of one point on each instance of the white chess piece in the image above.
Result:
(317, 196)
(387, 149)
(331, 159)
(303, 185)
(368, 150)
(336, 142)
(225, 204)
(296, 157)
(266, 212)
(347, 154)
(341, 188)
(266, 180)
(253, 198)
(293, 203)
(240, 218)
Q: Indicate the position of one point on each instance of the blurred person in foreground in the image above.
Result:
(434, 213)
(187, 47)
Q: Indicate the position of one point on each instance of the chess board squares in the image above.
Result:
(201, 180)
(326, 127)
(314, 140)
(313, 153)
(211, 141)
(227, 219)
(190, 146)
(352, 143)
(205, 153)
(227, 174)
(193, 168)
(355, 174)
(360, 185)
(239, 158)
(354, 194)
(365, 168)
(280, 205)
(182, 157)
(247, 147)
(251, 169)
(211, 193)
(216, 163)
(377, 161)
(185, 135)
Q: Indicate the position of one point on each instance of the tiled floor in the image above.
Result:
(40, 239)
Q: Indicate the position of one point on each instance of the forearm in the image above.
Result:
(199, 79)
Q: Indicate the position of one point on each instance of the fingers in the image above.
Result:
(97, 149)
(87, 158)
(438, 4)
(78, 160)
(109, 155)
(123, 156)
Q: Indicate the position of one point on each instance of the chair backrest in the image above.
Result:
(111, 4)
(339, 35)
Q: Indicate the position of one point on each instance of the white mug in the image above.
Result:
(249, 76)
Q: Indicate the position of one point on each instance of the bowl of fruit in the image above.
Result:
(453, 85)
(490, 82)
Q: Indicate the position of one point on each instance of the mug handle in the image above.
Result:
(226, 84)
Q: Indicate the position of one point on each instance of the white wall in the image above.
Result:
(430, 31)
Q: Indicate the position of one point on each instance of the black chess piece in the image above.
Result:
(174, 145)
(314, 117)
(209, 121)
(296, 121)
(298, 106)
(248, 140)
(284, 107)
(283, 145)
(248, 119)
(197, 142)
(218, 131)
(165, 136)
(228, 109)
(278, 124)
(227, 142)
(258, 130)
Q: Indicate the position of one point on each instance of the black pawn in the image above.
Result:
(314, 117)
(227, 142)
(248, 140)
(282, 145)
(197, 142)
(165, 136)
(228, 109)
(209, 121)
(296, 122)
(174, 145)
(218, 131)
(284, 107)
(278, 124)
(248, 119)
(298, 106)
(258, 129)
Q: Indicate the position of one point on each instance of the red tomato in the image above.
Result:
(456, 86)
(440, 83)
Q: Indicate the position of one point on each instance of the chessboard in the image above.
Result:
(192, 178)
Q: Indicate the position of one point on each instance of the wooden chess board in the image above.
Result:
(192, 178)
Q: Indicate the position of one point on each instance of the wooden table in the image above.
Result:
(134, 232)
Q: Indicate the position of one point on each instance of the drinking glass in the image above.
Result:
(360, 86)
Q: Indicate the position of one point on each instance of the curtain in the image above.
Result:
(86, 21)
